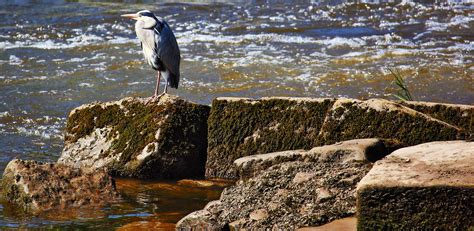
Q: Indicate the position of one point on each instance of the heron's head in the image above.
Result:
(144, 17)
(140, 15)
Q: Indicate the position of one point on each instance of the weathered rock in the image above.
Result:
(428, 186)
(241, 127)
(359, 150)
(355, 119)
(315, 188)
(202, 219)
(163, 139)
(35, 186)
(455, 114)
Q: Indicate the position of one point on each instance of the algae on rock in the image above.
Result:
(130, 137)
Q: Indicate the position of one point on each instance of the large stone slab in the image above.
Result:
(290, 189)
(425, 187)
(35, 186)
(130, 137)
(240, 127)
(355, 119)
(459, 115)
(359, 150)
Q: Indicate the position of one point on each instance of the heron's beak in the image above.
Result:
(132, 16)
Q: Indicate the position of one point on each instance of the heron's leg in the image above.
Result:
(158, 79)
(166, 87)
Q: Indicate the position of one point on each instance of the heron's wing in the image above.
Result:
(168, 50)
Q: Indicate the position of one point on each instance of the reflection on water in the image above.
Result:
(57, 55)
(143, 204)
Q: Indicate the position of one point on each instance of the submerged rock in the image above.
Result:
(35, 186)
(428, 186)
(241, 127)
(133, 138)
(292, 189)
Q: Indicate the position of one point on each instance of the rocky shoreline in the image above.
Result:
(297, 162)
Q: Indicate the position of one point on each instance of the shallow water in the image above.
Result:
(143, 204)
(57, 55)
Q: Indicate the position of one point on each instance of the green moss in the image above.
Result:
(412, 208)
(368, 123)
(239, 128)
(84, 121)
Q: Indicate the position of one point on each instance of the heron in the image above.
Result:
(159, 47)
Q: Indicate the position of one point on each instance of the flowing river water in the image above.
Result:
(56, 55)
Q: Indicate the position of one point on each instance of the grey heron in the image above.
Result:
(159, 46)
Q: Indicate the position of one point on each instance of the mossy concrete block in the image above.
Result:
(355, 119)
(240, 127)
(34, 186)
(459, 115)
(425, 187)
(135, 138)
(364, 150)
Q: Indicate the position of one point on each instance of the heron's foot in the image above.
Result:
(154, 98)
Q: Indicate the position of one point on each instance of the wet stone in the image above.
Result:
(35, 186)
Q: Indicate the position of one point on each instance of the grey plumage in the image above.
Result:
(159, 45)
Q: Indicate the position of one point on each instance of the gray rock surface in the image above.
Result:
(292, 189)
(130, 137)
(427, 186)
(359, 150)
(35, 186)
